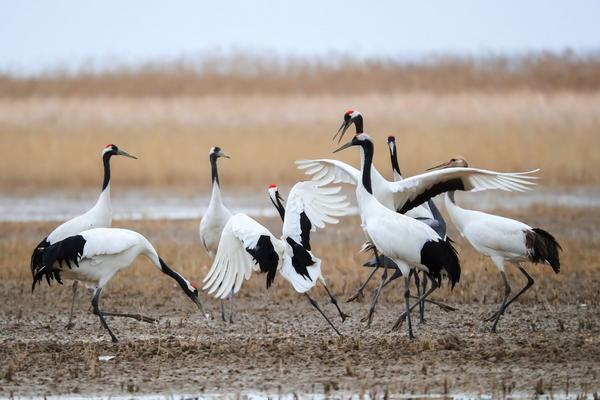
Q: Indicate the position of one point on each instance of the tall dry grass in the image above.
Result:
(244, 74)
(56, 142)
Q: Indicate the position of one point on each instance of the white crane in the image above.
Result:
(406, 241)
(95, 256)
(306, 226)
(248, 246)
(99, 216)
(502, 239)
(427, 213)
(215, 218)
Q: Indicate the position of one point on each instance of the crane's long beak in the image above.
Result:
(349, 144)
(342, 129)
(124, 153)
(196, 300)
(225, 155)
(440, 166)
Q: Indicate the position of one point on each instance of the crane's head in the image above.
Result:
(274, 193)
(455, 162)
(392, 143)
(217, 152)
(350, 117)
(113, 150)
(362, 139)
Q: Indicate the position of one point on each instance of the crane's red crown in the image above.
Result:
(349, 112)
(109, 145)
(391, 138)
(272, 185)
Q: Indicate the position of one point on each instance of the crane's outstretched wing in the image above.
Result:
(325, 171)
(413, 191)
(311, 206)
(244, 244)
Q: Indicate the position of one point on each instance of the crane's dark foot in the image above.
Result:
(411, 336)
(344, 316)
(358, 295)
(231, 319)
(69, 325)
(114, 339)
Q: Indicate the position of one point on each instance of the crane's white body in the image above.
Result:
(213, 222)
(233, 263)
(497, 237)
(106, 252)
(397, 236)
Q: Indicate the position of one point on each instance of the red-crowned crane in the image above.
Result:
(95, 256)
(215, 218)
(247, 246)
(277, 201)
(502, 239)
(406, 241)
(99, 216)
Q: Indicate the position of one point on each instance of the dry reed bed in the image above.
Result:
(266, 133)
(244, 73)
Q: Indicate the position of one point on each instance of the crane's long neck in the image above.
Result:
(366, 155)
(280, 208)
(214, 172)
(395, 165)
(457, 215)
(358, 124)
(106, 163)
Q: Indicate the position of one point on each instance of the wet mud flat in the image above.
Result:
(282, 346)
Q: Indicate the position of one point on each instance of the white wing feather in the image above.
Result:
(232, 263)
(300, 283)
(326, 171)
(320, 204)
(473, 179)
(109, 241)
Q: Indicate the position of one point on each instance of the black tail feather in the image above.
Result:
(68, 250)
(543, 247)
(265, 255)
(301, 259)
(441, 255)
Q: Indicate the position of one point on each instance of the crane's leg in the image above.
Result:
(529, 284)
(411, 336)
(70, 324)
(504, 300)
(100, 314)
(369, 317)
(231, 303)
(397, 274)
(422, 306)
(223, 311)
(316, 305)
(418, 285)
(402, 316)
(343, 315)
(359, 292)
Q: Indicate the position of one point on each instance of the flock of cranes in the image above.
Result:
(402, 226)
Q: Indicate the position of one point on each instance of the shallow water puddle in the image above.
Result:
(142, 204)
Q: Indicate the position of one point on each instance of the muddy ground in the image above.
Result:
(548, 343)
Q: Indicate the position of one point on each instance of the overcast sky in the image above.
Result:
(40, 35)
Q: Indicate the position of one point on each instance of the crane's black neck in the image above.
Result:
(280, 208)
(358, 124)
(394, 157)
(213, 169)
(106, 161)
(368, 151)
